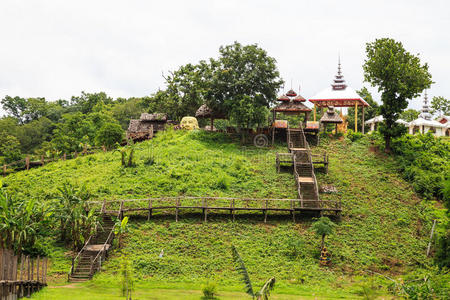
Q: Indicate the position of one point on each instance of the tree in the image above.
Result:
(242, 71)
(409, 115)
(399, 76)
(87, 101)
(247, 112)
(9, 147)
(369, 112)
(323, 227)
(14, 106)
(268, 286)
(109, 135)
(440, 106)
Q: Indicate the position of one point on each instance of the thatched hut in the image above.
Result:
(146, 126)
(204, 112)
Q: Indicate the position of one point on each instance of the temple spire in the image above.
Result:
(339, 82)
(425, 112)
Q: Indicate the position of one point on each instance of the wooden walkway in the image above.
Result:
(205, 205)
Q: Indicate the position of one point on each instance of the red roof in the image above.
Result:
(291, 93)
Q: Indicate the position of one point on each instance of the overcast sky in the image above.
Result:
(56, 49)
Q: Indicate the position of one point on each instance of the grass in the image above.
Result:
(384, 226)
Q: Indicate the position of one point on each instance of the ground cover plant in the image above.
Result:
(384, 227)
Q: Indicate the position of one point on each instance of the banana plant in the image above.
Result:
(264, 292)
(120, 228)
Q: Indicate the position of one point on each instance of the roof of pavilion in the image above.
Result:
(331, 116)
(291, 107)
(338, 94)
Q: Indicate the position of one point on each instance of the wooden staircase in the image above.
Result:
(307, 186)
(90, 258)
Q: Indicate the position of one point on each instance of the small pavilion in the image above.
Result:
(331, 117)
(291, 104)
(380, 119)
(339, 95)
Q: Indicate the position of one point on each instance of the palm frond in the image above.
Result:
(264, 292)
(240, 267)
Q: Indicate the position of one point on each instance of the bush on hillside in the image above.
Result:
(109, 135)
(424, 160)
(354, 136)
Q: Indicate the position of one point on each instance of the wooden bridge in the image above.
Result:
(20, 277)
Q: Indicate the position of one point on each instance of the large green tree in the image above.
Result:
(399, 76)
(242, 71)
(409, 114)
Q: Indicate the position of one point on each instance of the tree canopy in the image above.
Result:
(399, 76)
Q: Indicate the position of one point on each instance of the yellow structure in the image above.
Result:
(189, 123)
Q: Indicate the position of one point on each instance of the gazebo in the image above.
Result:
(291, 104)
(331, 117)
(206, 113)
(380, 119)
(339, 95)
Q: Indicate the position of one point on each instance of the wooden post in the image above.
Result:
(27, 162)
(356, 116)
(103, 207)
(176, 209)
(205, 211)
(45, 270)
(42, 160)
(265, 213)
(362, 125)
(121, 210)
(28, 273)
(149, 210)
(32, 270)
(22, 261)
(37, 269)
(431, 237)
(152, 132)
(64, 156)
(104, 148)
(212, 124)
(314, 112)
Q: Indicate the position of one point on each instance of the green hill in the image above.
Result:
(384, 226)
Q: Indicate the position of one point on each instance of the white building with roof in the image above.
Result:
(424, 124)
(379, 119)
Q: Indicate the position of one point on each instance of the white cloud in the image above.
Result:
(56, 49)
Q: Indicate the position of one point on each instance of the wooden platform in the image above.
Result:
(305, 180)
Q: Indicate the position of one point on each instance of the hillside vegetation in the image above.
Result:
(384, 226)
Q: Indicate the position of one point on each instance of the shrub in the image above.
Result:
(354, 136)
(109, 134)
(209, 290)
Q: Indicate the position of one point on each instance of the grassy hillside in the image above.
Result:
(383, 229)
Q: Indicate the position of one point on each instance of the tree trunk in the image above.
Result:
(387, 141)
(323, 241)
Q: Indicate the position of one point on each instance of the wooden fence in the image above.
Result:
(207, 204)
(21, 276)
(38, 161)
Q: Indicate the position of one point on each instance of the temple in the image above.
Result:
(424, 122)
(339, 94)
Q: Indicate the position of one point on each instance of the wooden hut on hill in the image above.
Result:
(204, 112)
(146, 126)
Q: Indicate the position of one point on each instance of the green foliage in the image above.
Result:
(9, 147)
(247, 112)
(242, 71)
(354, 136)
(242, 270)
(442, 256)
(409, 115)
(126, 277)
(430, 284)
(424, 160)
(76, 220)
(209, 290)
(440, 105)
(21, 222)
(109, 134)
(399, 76)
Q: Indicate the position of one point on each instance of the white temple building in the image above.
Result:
(424, 122)
(379, 119)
